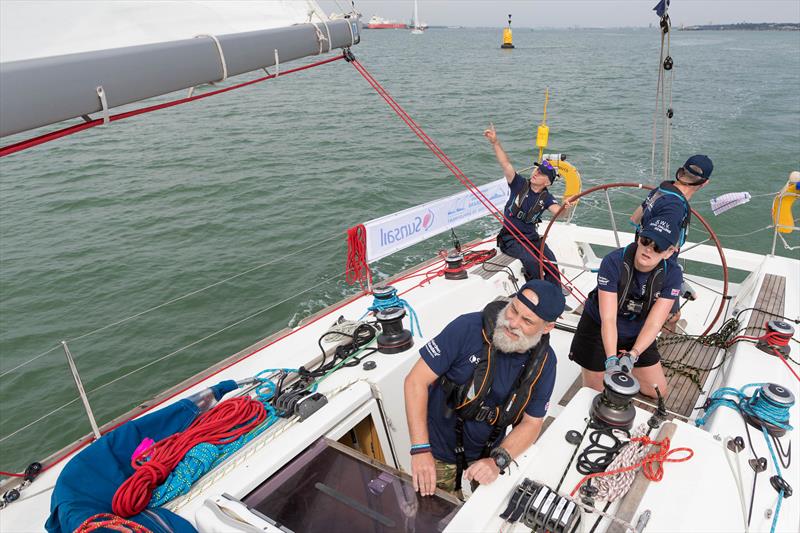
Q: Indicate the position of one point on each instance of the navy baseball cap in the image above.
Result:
(699, 166)
(662, 231)
(547, 168)
(551, 299)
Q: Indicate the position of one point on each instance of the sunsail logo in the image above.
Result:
(402, 232)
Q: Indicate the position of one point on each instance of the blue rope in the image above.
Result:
(394, 301)
(778, 470)
(756, 406)
(204, 457)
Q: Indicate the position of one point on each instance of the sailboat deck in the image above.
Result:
(685, 386)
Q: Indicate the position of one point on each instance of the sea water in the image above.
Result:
(264, 181)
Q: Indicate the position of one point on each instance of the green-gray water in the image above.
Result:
(113, 221)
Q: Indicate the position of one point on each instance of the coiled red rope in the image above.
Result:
(224, 423)
(774, 339)
(357, 266)
(110, 521)
(652, 465)
(53, 135)
(496, 213)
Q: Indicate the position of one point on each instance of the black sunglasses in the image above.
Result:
(647, 241)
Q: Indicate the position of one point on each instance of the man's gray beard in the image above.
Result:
(504, 343)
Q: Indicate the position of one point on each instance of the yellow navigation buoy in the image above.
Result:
(782, 216)
(507, 35)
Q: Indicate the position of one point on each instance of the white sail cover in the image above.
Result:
(32, 29)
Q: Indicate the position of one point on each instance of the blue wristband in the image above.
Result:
(612, 358)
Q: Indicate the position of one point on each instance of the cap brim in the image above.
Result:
(658, 238)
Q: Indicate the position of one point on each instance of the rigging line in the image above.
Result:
(655, 111)
(192, 293)
(31, 360)
(229, 326)
(69, 130)
(175, 352)
(54, 411)
(496, 213)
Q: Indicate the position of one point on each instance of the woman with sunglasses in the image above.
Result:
(636, 288)
(527, 201)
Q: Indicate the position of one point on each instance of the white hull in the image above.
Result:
(698, 495)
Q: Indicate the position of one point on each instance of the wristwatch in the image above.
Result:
(501, 458)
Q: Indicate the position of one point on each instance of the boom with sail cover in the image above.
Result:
(213, 41)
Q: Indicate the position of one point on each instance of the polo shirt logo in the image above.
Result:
(433, 348)
(474, 359)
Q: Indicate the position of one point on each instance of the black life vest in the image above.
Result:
(469, 400)
(629, 304)
(668, 187)
(534, 213)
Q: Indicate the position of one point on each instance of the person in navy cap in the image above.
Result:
(670, 201)
(528, 200)
(636, 287)
(483, 373)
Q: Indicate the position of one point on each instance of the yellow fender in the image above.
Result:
(782, 216)
(571, 176)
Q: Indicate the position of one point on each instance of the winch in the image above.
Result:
(393, 337)
(777, 337)
(614, 407)
(455, 266)
(383, 293)
(770, 397)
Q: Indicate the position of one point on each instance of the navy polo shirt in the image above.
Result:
(663, 205)
(543, 198)
(455, 352)
(607, 279)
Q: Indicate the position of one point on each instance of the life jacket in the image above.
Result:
(534, 213)
(630, 305)
(668, 187)
(468, 401)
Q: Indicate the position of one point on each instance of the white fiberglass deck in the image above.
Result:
(690, 498)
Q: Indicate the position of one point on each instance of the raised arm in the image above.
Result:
(500, 154)
(423, 467)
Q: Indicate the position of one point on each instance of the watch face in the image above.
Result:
(500, 459)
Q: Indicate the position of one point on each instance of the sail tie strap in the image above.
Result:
(220, 52)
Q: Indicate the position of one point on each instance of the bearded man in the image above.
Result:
(485, 372)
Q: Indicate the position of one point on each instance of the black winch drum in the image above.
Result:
(455, 266)
(383, 292)
(393, 338)
(613, 407)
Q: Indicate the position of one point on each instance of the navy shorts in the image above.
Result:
(587, 347)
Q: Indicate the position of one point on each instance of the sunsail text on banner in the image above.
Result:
(400, 230)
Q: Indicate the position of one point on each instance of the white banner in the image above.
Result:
(400, 230)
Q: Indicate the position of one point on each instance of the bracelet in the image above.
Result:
(420, 448)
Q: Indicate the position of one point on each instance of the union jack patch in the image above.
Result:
(675, 292)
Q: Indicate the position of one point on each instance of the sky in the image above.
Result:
(566, 13)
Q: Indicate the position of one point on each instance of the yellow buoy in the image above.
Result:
(782, 216)
(507, 38)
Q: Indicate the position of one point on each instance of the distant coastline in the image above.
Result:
(750, 26)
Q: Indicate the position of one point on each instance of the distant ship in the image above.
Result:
(378, 23)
